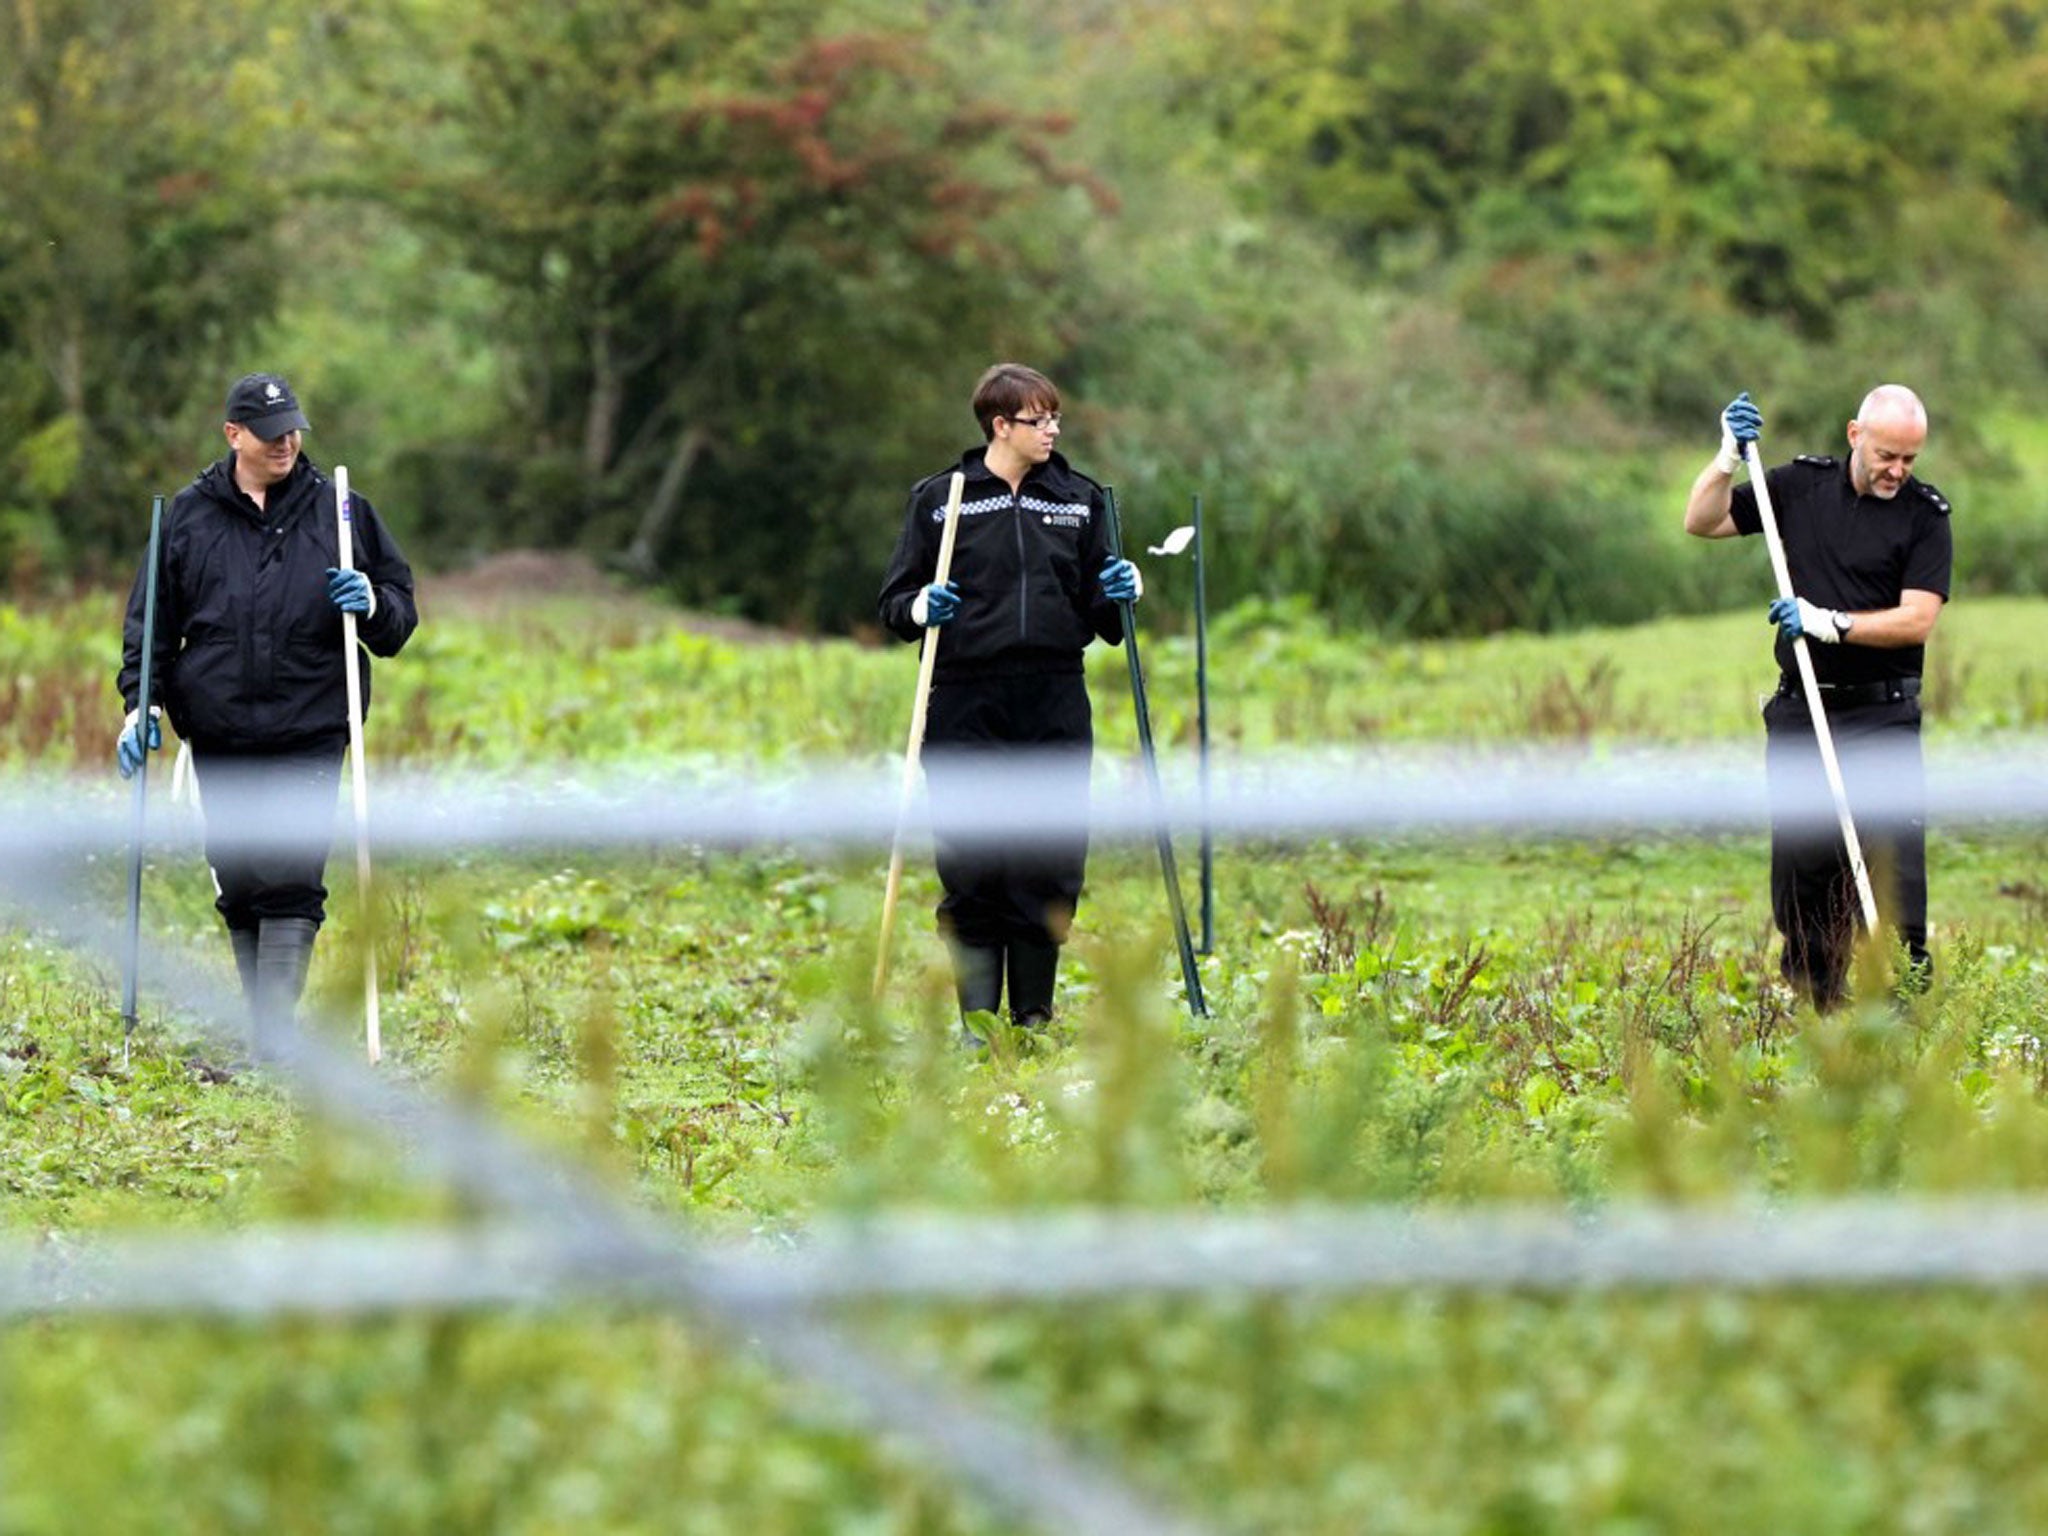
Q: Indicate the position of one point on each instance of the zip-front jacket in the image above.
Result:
(1027, 563)
(248, 643)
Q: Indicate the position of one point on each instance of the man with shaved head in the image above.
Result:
(1869, 550)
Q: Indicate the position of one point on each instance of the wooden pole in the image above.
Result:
(359, 776)
(915, 747)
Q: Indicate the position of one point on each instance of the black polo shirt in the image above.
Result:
(1856, 553)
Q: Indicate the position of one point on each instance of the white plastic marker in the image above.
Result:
(359, 776)
(1176, 541)
(912, 752)
(1811, 684)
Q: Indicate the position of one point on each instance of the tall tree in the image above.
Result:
(738, 252)
(144, 154)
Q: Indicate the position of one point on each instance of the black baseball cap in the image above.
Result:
(265, 404)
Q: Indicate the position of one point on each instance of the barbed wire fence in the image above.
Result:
(556, 1235)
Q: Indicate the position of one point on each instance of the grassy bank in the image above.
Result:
(1422, 1021)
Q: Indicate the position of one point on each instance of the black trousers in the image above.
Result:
(269, 823)
(1003, 894)
(1813, 892)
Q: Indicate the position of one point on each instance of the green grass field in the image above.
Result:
(1433, 1022)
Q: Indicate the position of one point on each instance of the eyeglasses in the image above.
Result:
(1049, 422)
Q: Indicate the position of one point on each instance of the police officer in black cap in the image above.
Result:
(248, 645)
(1869, 550)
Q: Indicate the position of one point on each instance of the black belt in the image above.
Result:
(1850, 695)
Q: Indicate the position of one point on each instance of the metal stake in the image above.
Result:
(1162, 833)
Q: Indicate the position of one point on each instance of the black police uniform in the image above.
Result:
(1857, 554)
(1008, 679)
(249, 661)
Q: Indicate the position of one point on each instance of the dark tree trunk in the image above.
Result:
(639, 558)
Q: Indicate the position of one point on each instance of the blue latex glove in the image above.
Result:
(1121, 581)
(128, 749)
(1741, 424)
(1795, 616)
(937, 604)
(351, 592)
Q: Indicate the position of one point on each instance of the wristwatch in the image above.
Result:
(1844, 622)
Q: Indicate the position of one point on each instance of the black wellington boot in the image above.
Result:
(244, 942)
(284, 953)
(977, 977)
(978, 983)
(1032, 968)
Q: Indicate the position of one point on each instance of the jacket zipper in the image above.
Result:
(1023, 575)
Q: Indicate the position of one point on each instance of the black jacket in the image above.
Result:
(1028, 566)
(248, 643)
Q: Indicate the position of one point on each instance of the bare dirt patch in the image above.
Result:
(515, 579)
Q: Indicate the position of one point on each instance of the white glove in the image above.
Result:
(1730, 456)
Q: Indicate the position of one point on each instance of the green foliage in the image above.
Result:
(735, 248)
(1569, 1023)
(617, 681)
(1656, 203)
(1784, 144)
(56, 682)
(1434, 305)
(1382, 468)
(144, 149)
(432, 1425)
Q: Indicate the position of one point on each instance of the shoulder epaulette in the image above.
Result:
(1940, 501)
(1817, 460)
